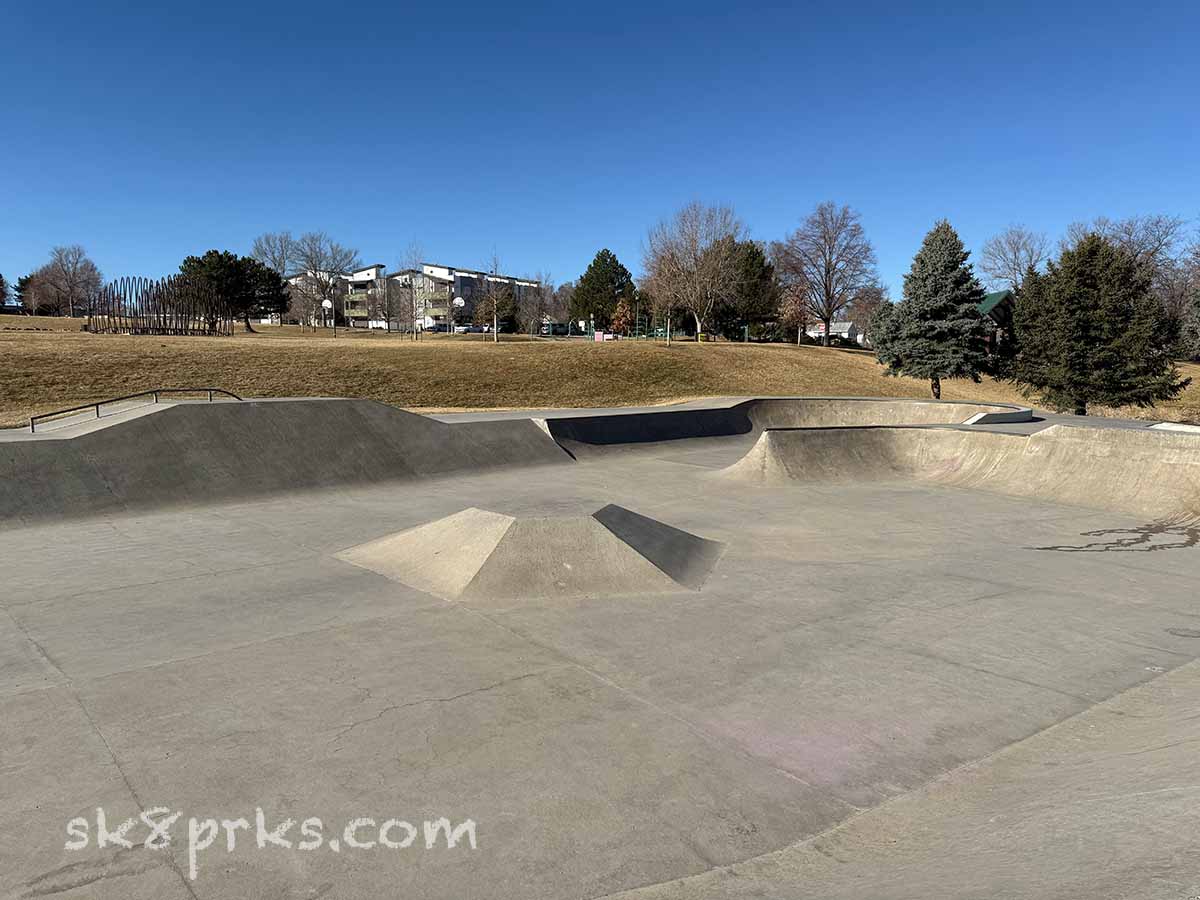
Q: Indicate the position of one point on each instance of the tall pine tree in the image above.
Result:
(1090, 331)
(936, 331)
(599, 288)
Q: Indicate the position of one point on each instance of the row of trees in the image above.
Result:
(317, 259)
(63, 286)
(1089, 329)
(701, 264)
(1100, 324)
(1157, 244)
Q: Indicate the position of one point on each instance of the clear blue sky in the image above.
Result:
(147, 131)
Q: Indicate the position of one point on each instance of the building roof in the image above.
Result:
(842, 327)
(992, 300)
(459, 271)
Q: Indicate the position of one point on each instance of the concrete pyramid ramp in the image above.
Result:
(686, 558)
(484, 557)
(439, 558)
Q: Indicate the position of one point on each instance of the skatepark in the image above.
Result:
(743, 647)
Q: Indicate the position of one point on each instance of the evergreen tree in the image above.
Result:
(1189, 339)
(246, 284)
(882, 325)
(936, 331)
(1191, 327)
(754, 294)
(25, 293)
(598, 289)
(1091, 331)
(3, 291)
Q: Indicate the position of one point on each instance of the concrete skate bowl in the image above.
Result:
(186, 454)
(487, 558)
(1153, 475)
(584, 435)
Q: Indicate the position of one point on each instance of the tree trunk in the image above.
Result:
(1081, 407)
(249, 327)
(495, 331)
(825, 338)
(935, 385)
(699, 325)
(799, 334)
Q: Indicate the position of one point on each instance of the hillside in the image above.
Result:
(45, 371)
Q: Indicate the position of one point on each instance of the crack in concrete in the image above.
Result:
(69, 685)
(394, 707)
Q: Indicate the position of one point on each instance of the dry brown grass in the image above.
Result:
(42, 372)
(40, 323)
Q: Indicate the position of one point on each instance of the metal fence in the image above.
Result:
(172, 305)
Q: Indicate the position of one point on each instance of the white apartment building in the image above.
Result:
(440, 291)
(362, 287)
(369, 296)
(353, 293)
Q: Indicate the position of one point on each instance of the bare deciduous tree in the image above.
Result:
(1154, 243)
(387, 302)
(534, 303)
(304, 301)
(864, 305)
(69, 280)
(560, 302)
(276, 250)
(1007, 256)
(793, 311)
(414, 299)
(1190, 314)
(495, 299)
(827, 260)
(691, 261)
(322, 262)
(1149, 239)
(34, 295)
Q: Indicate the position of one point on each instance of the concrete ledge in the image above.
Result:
(1002, 417)
(1177, 426)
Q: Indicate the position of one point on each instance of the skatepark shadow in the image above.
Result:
(1168, 535)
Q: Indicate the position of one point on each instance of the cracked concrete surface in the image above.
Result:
(881, 691)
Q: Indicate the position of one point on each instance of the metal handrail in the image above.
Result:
(33, 420)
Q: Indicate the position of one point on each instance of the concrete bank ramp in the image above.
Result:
(752, 416)
(192, 453)
(1138, 472)
(487, 558)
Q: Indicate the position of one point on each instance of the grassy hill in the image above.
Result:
(44, 371)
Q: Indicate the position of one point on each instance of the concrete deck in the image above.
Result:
(885, 688)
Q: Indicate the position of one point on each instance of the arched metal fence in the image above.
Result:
(172, 305)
